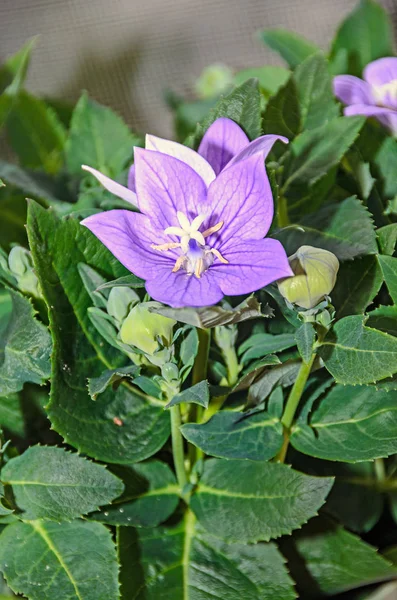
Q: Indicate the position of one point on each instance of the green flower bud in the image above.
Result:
(214, 80)
(143, 328)
(170, 372)
(120, 301)
(315, 276)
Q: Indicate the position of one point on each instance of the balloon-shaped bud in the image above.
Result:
(314, 277)
(213, 81)
(143, 329)
(120, 301)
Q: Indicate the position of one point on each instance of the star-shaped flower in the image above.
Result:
(203, 217)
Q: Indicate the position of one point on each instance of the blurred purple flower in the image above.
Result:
(373, 96)
(203, 216)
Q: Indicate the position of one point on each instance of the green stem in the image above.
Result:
(282, 212)
(200, 364)
(177, 446)
(292, 404)
(380, 470)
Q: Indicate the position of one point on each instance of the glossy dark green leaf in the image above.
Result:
(197, 394)
(284, 375)
(305, 337)
(110, 377)
(262, 344)
(282, 113)
(50, 483)
(183, 563)
(387, 238)
(355, 354)
(293, 48)
(252, 501)
(67, 561)
(388, 265)
(25, 348)
(384, 318)
(357, 284)
(351, 424)
(151, 496)
(227, 434)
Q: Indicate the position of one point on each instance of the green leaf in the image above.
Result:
(69, 561)
(122, 427)
(261, 344)
(357, 284)
(270, 78)
(386, 161)
(282, 114)
(50, 483)
(151, 496)
(127, 281)
(183, 563)
(346, 229)
(197, 394)
(242, 105)
(364, 36)
(283, 375)
(36, 185)
(252, 501)
(384, 318)
(258, 436)
(12, 218)
(316, 151)
(355, 354)
(316, 98)
(387, 238)
(36, 134)
(110, 378)
(11, 415)
(292, 47)
(25, 348)
(12, 78)
(254, 371)
(98, 138)
(351, 424)
(338, 560)
(305, 337)
(388, 265)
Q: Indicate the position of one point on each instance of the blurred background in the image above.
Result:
(126, 53)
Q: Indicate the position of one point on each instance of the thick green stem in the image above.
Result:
(292, 404)
(177, 446)
(380, 470)
(282, 212)
(200, 364)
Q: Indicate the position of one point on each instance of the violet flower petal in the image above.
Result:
(381, 71)
(222, 140)
(241, 197)
(112, 186)
(183, 153)
(386, 116)
(131, 179)
(261, 145)
(166, 185)
(129, 236)
(179, 289)
(352, 90)
(253, 264)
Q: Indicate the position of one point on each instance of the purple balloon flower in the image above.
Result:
(373, 96)
(203, 216)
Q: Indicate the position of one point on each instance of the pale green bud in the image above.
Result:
(120, 301)
(21, 266)
(214, 80)
(142, 328)
(315, 276)
(170, 372)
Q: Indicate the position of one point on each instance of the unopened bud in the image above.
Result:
(214, 80)
(120, 301)
(143, 328)
(314, 277)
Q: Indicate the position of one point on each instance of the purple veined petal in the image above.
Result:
(129, 236)
(261, 145)
(381, 71)
(386, 116)
(180, 289)
(253, 264)
(165, 185)
(112, 186)
(222, 140)
(131, 178)
(241, 197)
(352, 90)
(186, 155)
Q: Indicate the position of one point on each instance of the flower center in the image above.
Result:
(386, 94)
(196, 256)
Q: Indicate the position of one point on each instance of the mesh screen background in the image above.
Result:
(126, 52)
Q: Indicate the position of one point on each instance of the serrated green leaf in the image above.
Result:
(227, 434)
(151, 496)
(387, 238)
(69, 561)
(388, 264)
(282, 113)
(355, 354)
(346, 229)
(270, 78)
(293, 48)
(357, 284)
(242, 105)
(122, 427)
(252, 501)
(183, 563)
(384, 318)
(351, 424)
(110, 377)
(364, 36)
(261, 344)
(305, 337)
(25, 348)
(50, 483)
(11, 415)
(98, 138)
(197, 394)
